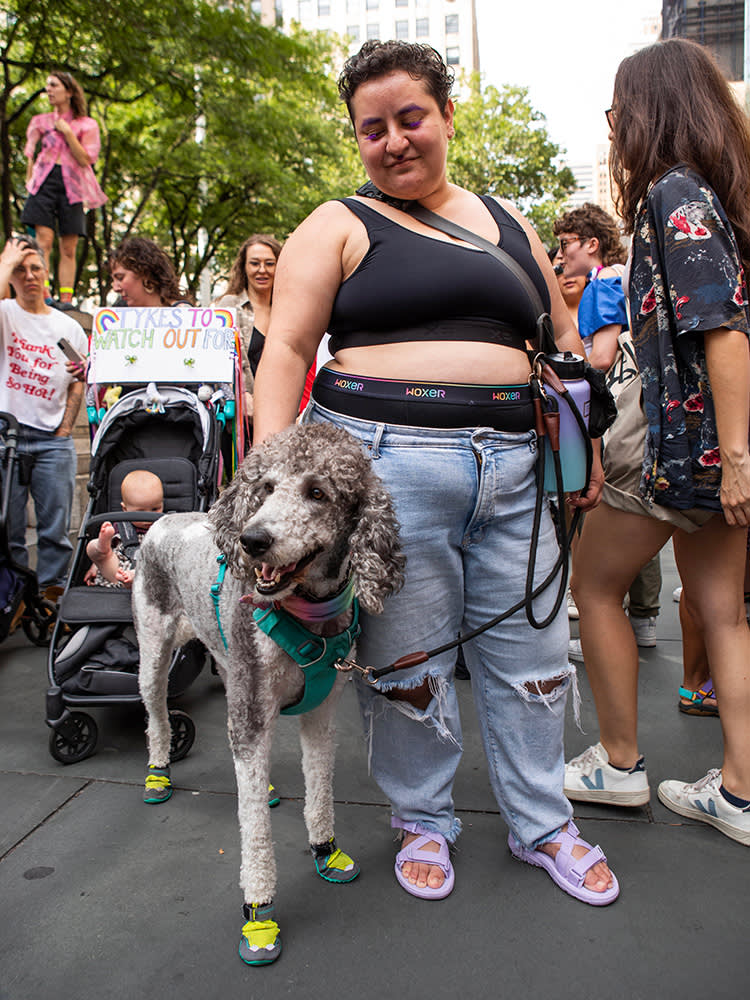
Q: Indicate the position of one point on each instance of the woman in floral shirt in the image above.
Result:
(681, 162)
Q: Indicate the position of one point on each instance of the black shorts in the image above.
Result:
(50, 207)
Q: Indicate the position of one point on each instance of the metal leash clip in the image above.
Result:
(345, 666)
(536, 379)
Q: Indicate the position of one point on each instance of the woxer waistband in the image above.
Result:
(425, 404)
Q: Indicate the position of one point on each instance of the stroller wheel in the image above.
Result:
(39, 621)
(183, 735)
(74, 740)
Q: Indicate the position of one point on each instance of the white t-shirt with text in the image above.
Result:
(33, 378)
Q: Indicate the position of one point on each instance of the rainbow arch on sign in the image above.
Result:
(105, 318)
(225, 316)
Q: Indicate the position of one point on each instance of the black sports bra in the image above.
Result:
(411, 287)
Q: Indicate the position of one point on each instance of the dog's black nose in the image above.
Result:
(256, 541)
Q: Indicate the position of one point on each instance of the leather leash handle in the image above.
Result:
(553, 380)
(552, 424)
(410, 660)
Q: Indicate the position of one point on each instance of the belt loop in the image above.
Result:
(376, 439)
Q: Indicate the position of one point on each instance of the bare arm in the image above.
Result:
(307, 278)
(728, 364)
(12, 255)
(102, 555)
(79, 153)
(604, 347)
(72, 406)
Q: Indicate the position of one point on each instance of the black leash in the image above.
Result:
(547, 427)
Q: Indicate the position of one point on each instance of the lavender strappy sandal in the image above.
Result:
(566, 871)
(415, 852)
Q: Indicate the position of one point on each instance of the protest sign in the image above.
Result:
(165, 343)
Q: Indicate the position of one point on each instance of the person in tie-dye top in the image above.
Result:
(681, 163)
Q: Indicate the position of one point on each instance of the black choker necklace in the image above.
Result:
(369, 190)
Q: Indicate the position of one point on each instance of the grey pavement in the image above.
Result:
(103, 897)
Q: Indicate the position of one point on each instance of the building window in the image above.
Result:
(304, 10)
(451, 24)
(402, 3)
(453, 55)
(373, 32)
(352, 31)
(372, 4)
(324, 8)
(423, 27)
(402, 30)
(352, 6)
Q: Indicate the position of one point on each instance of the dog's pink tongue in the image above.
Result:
(272, 572)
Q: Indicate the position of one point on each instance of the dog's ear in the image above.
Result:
(375, 550)
(236, 505)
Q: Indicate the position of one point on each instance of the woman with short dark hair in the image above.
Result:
(429, 337)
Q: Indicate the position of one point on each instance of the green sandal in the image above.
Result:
(697, 700)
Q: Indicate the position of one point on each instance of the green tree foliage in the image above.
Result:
(214, 126)
(502, 147)
(210, 122)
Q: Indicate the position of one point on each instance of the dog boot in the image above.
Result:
(158, 785)
(332, 864)
(260, 943)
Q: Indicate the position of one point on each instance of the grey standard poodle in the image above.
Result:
(262, 580)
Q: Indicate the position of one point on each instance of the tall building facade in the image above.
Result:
(450, 26)
(717, 24)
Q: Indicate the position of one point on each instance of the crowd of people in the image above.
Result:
(431, 368)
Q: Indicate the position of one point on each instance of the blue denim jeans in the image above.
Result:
(52, 483)
(465, 499)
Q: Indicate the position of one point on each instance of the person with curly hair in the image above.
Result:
(143, 274)
(591, 247)
(430, 372)
(60, 180)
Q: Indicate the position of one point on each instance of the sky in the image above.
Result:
(566, 52)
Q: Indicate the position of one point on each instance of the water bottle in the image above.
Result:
(570, 369)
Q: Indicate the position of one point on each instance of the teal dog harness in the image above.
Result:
(315, 654)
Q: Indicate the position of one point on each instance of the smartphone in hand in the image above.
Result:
(71, 353)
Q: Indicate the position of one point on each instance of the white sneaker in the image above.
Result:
(572, 609)
(591, 778)
(645, 630)
(677, 594)
(574, 650)
(703, 801)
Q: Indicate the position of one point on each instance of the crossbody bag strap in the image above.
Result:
(545, 341)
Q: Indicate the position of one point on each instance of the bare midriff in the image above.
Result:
(463, 362)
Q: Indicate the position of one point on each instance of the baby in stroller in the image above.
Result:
(114, 551)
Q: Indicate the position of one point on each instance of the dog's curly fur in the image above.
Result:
(304, 510)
